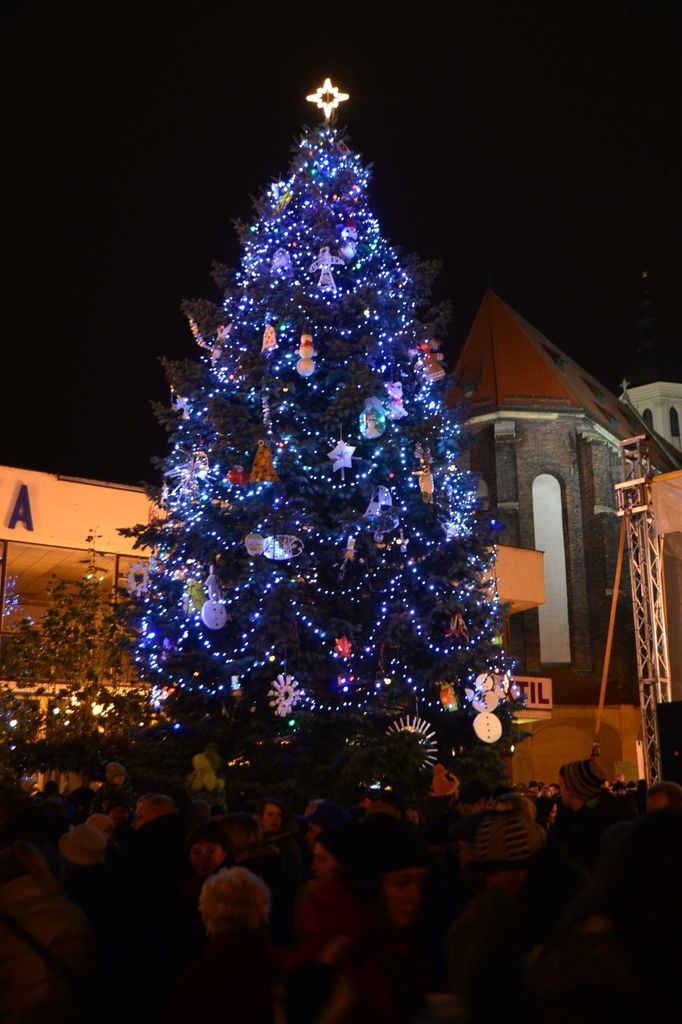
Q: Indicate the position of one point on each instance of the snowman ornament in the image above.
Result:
(306, 364)
(213, 614)
(349, 240)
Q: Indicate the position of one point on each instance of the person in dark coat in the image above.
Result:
(248, 850)
(86, 876)
(235, 978)
(581, 819)
(146, 885)
(367, 969)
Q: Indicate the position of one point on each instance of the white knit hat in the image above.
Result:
(83, 845)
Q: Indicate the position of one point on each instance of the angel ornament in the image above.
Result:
(324, 263)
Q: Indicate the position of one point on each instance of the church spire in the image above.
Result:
(648, 326)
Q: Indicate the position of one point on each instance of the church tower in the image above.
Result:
(653, 375)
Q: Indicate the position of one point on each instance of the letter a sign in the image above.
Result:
(22, 510)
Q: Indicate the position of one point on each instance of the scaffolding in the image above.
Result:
(645, 547)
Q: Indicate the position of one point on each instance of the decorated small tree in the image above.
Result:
(322, 572)
(70, 695)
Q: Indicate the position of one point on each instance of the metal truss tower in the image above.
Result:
(633, 497)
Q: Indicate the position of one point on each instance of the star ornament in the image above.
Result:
(327, 97)
(342, 456)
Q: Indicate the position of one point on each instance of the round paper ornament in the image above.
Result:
(213, 615)
(487, 727)
(306, 364)
(282, 547)
(254, 543)
(373, 419)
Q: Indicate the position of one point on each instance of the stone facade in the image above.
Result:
(545, 438)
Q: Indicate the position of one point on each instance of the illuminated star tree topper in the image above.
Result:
(327, 98)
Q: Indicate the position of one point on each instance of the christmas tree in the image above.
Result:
(321, 553)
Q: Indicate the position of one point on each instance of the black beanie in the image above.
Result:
(386, 844)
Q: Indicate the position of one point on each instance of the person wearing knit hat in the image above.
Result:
(581, 781)
(104, 823)
(586, 810)
(506, 841)
(83, 845)
(525, 891)
(358, 927)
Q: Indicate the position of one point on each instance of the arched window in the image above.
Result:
(555, 640)
(648, 418)
(674, 422)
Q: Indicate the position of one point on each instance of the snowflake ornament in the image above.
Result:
(284, 694)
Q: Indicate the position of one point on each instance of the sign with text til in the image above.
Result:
(537, 691)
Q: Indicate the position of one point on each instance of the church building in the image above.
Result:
(545, 439)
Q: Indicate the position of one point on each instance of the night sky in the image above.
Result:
(532, 147)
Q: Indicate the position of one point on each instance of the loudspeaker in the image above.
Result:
(670, 736)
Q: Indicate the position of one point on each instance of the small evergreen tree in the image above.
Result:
(81, 696)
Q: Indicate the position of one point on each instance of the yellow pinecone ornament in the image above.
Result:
(263, 469)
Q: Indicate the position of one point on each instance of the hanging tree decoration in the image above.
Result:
(431, 362)
(324, 263)
(348, 556)
(213, 613)
(282, 547)
(395, 410)
(237, 476)
(489, 689)
(447, 696)
(283, 197)
(263, 470)
(349, 240)
(342, 456)
(380, 511)
(196, 468)
(343, 646)
(137, 580)
(284, 694)
(424, 473)
(255, 544)
(215, 348)
(281, 263)
(269, 340)
(179, 404)
(373, 419)
(306, 364)
(424, 733)
(458, 627)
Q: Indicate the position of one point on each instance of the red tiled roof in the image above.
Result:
(506, 364)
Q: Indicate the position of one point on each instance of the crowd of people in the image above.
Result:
(557, 903)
